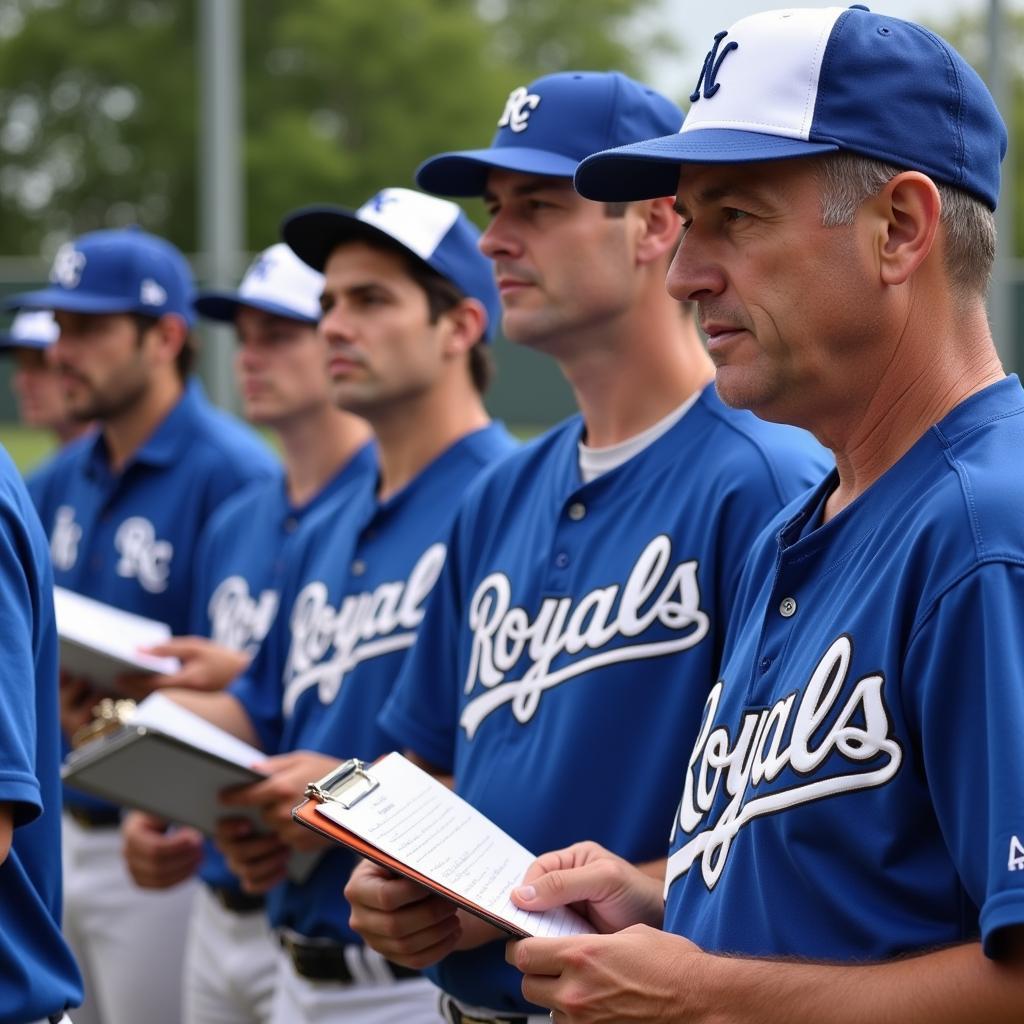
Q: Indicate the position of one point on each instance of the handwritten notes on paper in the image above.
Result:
(420, 822)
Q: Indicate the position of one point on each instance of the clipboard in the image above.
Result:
(176, 771)
(353, 781)
(139, 766)
(100, 642)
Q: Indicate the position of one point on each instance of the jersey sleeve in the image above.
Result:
(18, 726)
(422, 711)
(964, 689)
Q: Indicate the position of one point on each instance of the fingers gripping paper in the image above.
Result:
(412, 823)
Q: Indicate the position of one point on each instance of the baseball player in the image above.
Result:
(123, 528)
(576, 628)
(241, 562)
(38, 976)
(852, 813)
(407, 299)
(34, 381)
(38, 390)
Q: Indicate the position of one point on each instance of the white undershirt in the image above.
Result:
(595, 462)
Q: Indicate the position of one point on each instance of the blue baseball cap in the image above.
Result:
(35, 329)
(433, 230)
(116, 271)
(276, 282)
(794, 83)
(550, 125)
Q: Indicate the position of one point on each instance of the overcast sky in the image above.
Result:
(695, 24)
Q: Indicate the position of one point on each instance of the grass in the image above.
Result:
(26, 446)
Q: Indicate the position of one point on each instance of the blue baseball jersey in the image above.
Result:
(243, 560)
(44, 480)
(129, 538)
(576, 631)
(38, 976)
(856, 790)
(354, 610)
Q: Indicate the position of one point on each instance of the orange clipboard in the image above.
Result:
(347, 785)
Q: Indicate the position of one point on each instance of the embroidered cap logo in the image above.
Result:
(261, 267)
(382, 199)
(709, 71)
(518, 108)
(68, 265)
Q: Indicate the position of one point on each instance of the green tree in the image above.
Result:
(99, 104)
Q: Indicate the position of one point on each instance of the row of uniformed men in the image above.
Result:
(531, 622)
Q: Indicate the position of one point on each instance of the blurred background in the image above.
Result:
(205, 121)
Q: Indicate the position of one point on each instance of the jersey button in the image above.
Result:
(787, 607)
(561, 559)
(291, 524)
(358, 567)
(765, 664)
(577, 510)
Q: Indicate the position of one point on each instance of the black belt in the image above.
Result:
(230, 897)
(325, 961)
(56, 1018)
(455, 1015)
(94, 817)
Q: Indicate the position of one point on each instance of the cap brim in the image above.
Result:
(313, 232)
(465, 173)
(9, 341)
(222, 306)
(60, 300)
(650, 169)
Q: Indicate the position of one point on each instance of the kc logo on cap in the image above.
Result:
(518, 107)
(67, 267)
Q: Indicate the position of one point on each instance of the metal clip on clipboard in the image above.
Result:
(346, 785)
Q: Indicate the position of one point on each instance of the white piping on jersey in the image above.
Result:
(364, 626)
(655, 591)
(758, 756)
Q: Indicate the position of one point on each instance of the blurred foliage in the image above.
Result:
(99, 121)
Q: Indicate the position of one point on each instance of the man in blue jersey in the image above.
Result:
(849, 844)
(124, 512)
(241, 563)
(576, 629)
(38, 977)
(407, 301)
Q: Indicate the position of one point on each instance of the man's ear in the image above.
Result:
(659, 227)
(169, 334)
(909, 210)
(465, 325)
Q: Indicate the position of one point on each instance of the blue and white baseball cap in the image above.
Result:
(276, 282)
(550, 125)
(116, 271)
(36, 330)
(800, 82)
(433, 230)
